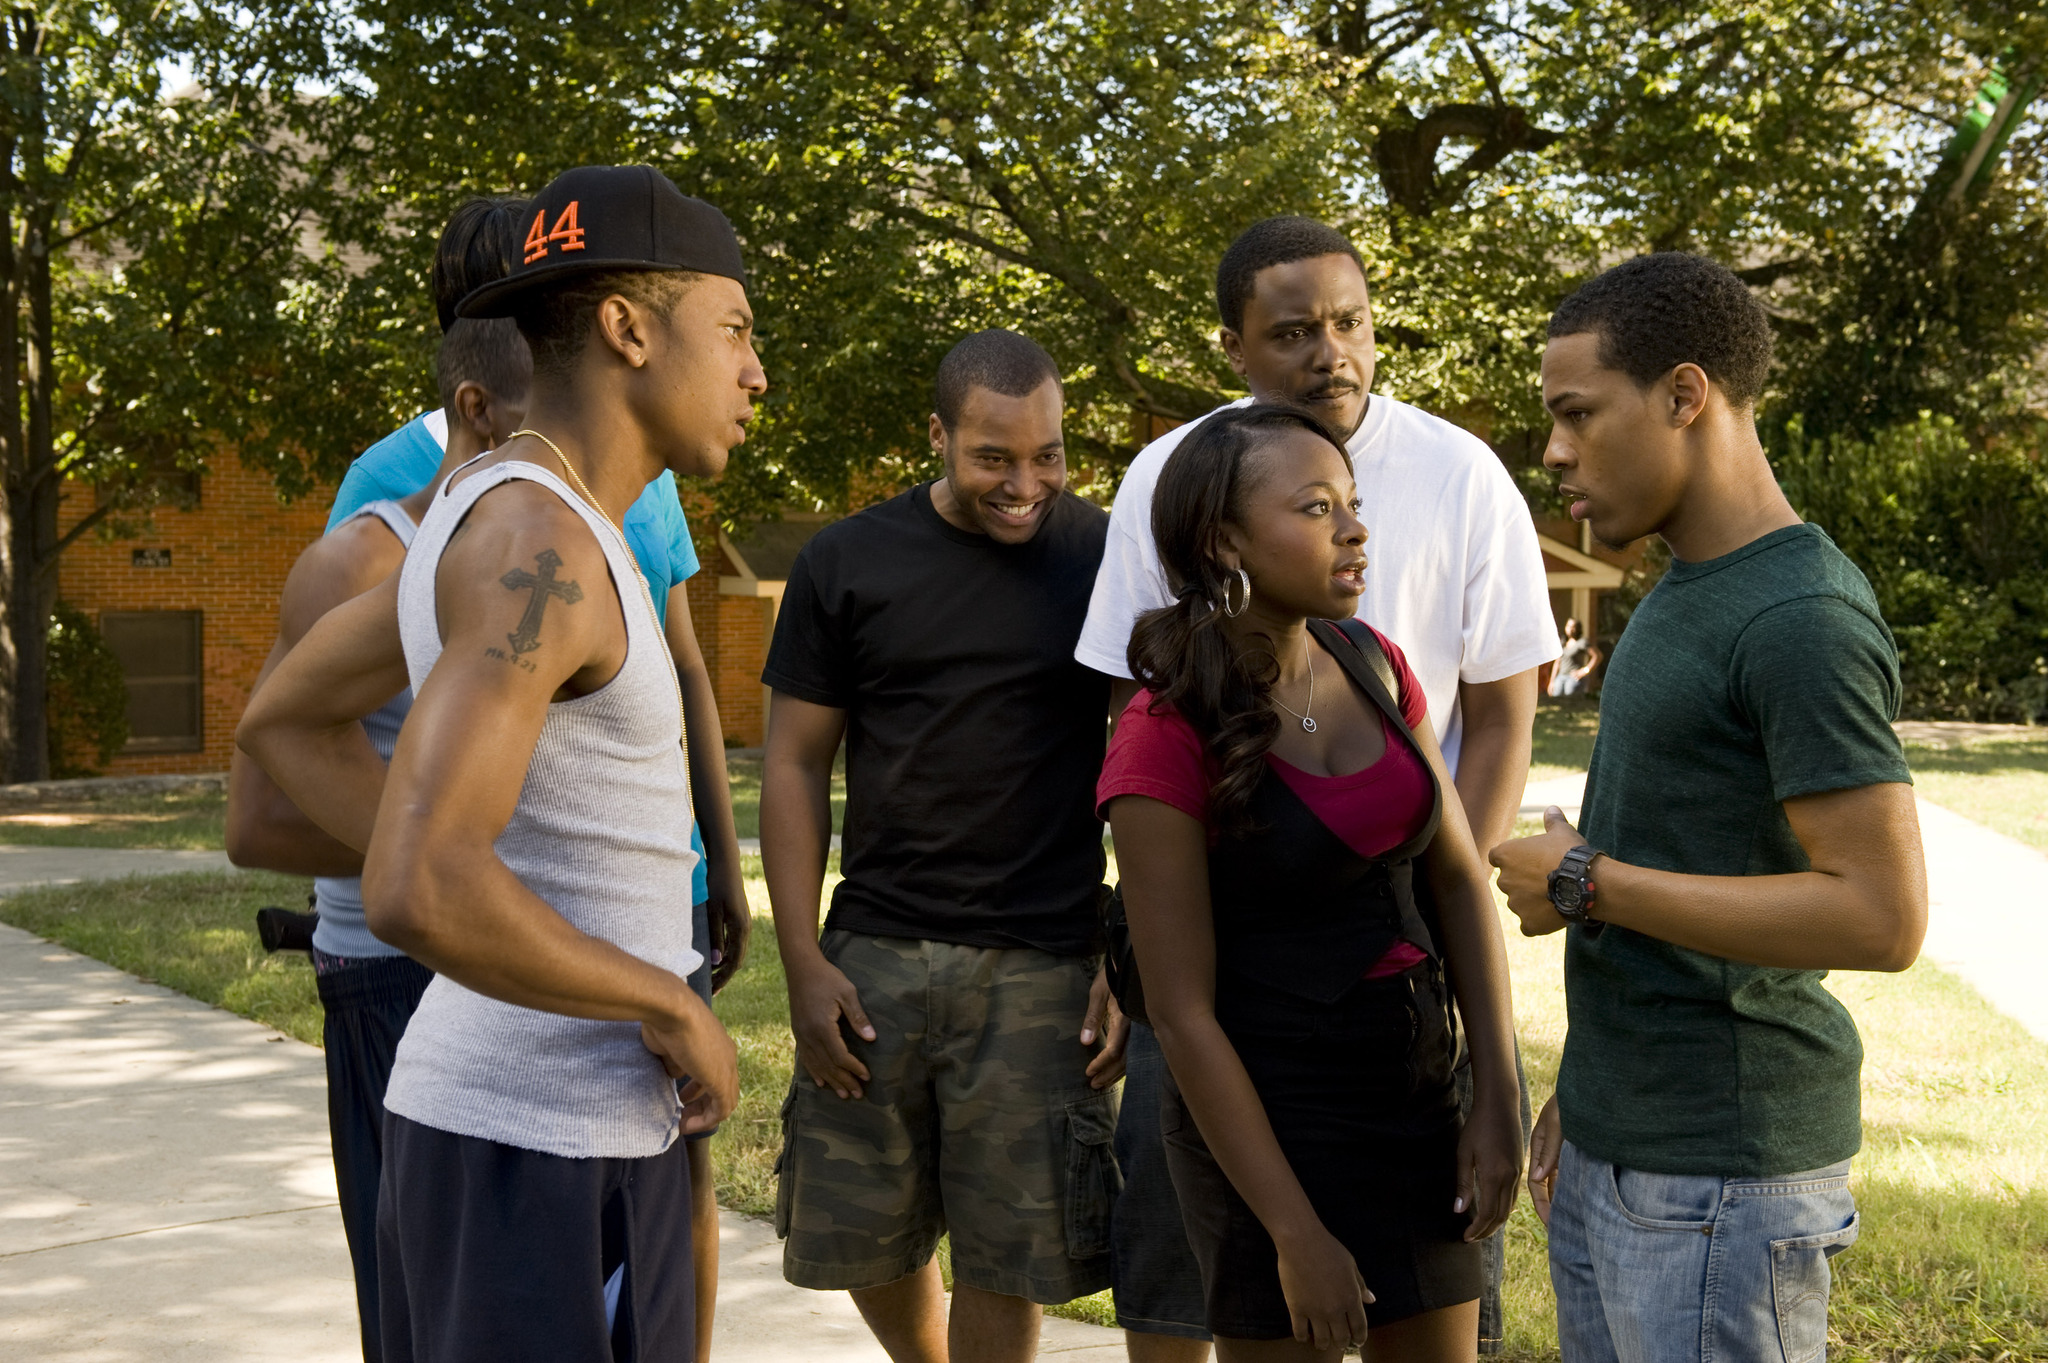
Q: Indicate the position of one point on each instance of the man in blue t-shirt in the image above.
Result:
(1748, 826)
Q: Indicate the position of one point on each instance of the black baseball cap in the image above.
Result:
(610, 218)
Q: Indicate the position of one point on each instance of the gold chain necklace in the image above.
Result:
(646, 591)
(1308, 725)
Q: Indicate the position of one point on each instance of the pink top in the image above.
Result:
(1374, 810)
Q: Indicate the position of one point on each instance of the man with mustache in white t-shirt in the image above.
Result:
(1456, 579)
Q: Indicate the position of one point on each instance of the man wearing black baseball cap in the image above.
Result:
(530, 842)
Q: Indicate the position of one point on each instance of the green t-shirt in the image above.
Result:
(1741, 682)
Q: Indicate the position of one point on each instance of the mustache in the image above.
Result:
(1334, 388)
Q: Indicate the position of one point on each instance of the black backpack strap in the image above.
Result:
(1368, 644)
(1353, 644)
(1369, 666)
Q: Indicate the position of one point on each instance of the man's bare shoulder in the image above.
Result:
(526, 575)
(516, 521)
(337, 567)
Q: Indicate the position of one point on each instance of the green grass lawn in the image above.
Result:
(746, 793)
(2002, 783)
(1563, 740)
(178, 819)
(195, 933)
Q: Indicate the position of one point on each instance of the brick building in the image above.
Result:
(191, 606)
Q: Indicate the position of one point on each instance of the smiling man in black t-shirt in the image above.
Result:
(947, 1023)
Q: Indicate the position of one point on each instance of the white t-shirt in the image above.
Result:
(1455, 577)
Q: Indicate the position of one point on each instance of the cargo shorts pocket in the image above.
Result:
(785, 1173)
(1799, 1287)
(1093, 1180)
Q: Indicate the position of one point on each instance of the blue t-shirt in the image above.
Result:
(406, 460)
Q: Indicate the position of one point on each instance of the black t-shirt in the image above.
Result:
(973, 738)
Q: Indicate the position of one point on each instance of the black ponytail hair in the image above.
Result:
(1181, 652)
(478, 247)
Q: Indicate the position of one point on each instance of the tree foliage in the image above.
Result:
(88, 696)
(149, 240)
(1951, 530)
(247, 262)
(905, 172)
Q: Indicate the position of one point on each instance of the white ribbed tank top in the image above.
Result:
(602, 833)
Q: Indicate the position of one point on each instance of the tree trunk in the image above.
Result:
(34, 485)
(35, 522)
(11, 462)
(10, 470)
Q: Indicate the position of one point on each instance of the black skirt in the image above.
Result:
(1360, 1096)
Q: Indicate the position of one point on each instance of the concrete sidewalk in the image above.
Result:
(166, 1191)
(21, 867)
(1987, 917)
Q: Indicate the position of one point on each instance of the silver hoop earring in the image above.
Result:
(1245, 579)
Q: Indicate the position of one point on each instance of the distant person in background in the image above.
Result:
(1574, 669)
(412, 458)
(369, 989)
(1748, 826)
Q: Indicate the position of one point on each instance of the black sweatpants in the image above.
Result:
(368, 1002)
(493, 1254)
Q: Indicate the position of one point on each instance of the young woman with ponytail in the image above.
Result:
(1304, 904)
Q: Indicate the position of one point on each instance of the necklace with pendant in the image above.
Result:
(1308, 725)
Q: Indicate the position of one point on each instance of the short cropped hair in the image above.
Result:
(485, 350)
(1270, 242)
(1000, 361)
(477, 247)
(556, 318)
(1656, 312)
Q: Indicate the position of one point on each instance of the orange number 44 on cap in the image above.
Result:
(538, 238)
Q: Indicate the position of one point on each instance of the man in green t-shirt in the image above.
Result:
(1748, 826)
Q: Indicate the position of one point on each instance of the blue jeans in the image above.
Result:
(1694, 1268)
(1158, 1283)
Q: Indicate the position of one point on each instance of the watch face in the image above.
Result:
(1567, 894)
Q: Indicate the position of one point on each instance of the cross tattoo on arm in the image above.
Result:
(526, 638)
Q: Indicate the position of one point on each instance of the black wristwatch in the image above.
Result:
(1571, 889)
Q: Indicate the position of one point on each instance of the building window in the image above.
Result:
(160, 653)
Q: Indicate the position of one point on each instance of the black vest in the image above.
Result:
(1299, 916)
(1298, 913)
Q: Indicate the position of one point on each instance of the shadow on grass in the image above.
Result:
(1943, 1274)
(175, 819)
(1985, 757)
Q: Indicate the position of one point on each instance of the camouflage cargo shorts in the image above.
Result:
(978, 1120)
